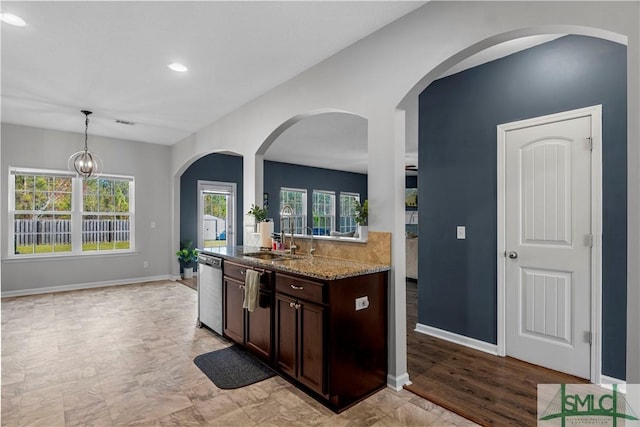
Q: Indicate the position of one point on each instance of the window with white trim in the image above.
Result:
(324, 212)
(348, 203)
(56, 213)
(297, 200)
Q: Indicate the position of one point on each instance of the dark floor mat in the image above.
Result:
(232, 367)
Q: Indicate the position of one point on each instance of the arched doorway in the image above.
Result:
(472, 310)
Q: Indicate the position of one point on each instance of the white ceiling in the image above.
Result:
(111, 57)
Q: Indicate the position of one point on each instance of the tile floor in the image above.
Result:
(123, 355)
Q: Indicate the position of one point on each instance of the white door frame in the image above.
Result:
(231, 208)
(596, 227)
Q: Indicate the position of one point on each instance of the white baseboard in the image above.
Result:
(77, 286)
(457, 339)
(396, 383)
(606, 382)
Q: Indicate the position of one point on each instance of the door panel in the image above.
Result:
(286, 334)
(233, 313)
(259, 326)
(548, 219)
(311, 371)
(545, 304)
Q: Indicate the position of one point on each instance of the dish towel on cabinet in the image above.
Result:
(251, 287)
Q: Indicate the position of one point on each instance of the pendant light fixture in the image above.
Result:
(85, 163)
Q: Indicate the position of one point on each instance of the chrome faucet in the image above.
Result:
(312, 250)
(286, 209)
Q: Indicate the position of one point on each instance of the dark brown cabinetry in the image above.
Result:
(325, 343)
(250, 329)
(299, 332)
(317, 333)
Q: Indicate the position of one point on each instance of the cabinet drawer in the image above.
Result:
(237, 271)
(300, 288)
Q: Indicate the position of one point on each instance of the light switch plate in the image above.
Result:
(362, 303)
(461, 232)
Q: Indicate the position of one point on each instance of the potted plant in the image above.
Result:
(187, 257)
(362, 218)
(260, 215)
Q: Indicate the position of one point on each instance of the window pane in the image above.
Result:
(24, 182)
(106, 232)
(24, 200)
(42, 234)
(348, 212)
(62, 202)
(121, 196)
(323, 212)
(297, 200)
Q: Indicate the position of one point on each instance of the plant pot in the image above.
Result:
(363, 232)
(187, 273)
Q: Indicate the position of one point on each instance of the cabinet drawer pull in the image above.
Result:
(243, 272)
(297, 288)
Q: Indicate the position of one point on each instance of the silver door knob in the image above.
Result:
(513, 255)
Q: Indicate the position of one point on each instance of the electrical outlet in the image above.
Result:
(145, 264)
(461, 232)
(362, 303)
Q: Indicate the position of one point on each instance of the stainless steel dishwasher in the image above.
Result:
(210, 292)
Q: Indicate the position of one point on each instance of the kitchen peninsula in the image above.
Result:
(320, 322)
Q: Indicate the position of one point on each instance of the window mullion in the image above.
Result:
(76, 216)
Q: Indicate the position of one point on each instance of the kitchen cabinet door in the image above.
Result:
(233, 311)
(286, 322)
(258, 338)
(311, 360)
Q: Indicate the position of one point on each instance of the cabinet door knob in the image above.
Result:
(292, 304)
(297, 288)
(297, 306)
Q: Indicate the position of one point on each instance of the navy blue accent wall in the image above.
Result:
(457, 179)
(277, 175)
(212, 167)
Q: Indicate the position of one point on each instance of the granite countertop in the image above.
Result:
(317, 267)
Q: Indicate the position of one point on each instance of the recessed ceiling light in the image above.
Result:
(12, 19)
(176, 66)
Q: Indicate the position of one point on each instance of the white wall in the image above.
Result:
(371, 77)
(149, 164)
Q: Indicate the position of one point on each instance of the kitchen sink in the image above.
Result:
(271, 256)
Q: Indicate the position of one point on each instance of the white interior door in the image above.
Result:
(548, 245)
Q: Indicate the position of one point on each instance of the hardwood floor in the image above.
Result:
(489, 390)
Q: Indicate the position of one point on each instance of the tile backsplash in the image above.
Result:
(377, 249)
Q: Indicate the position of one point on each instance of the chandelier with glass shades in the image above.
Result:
(85, 163)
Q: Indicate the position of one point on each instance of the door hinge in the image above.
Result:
(589, 143)
(588, 337)
(588, 240)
